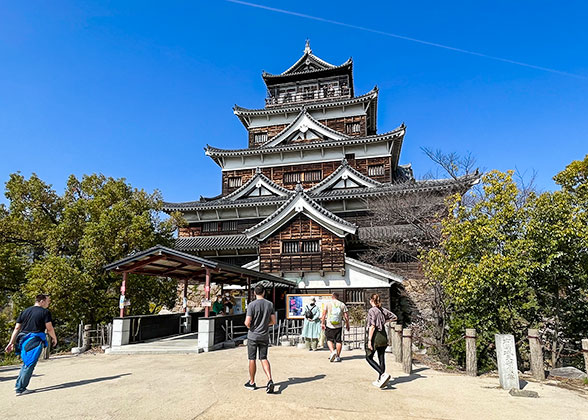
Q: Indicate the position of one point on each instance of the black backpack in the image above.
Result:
(308, 313)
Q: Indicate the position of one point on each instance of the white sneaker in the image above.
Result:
(332, 357)
(384, 380)
(376, 384)
(337, 359)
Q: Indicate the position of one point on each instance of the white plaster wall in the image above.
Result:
(354, 278)
(371, 150)
(319, 114)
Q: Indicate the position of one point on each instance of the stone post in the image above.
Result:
(585, 351)
(471, 357)
(506, 358)
(397, 343)
(536, 355)
(407, 350)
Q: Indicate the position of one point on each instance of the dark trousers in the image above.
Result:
(380, 368)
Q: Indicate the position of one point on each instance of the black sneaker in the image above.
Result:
(269, 389)
(249, 385)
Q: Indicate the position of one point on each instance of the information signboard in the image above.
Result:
(295, 304)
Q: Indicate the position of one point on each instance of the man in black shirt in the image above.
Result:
(34, 319)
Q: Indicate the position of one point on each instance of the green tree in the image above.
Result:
(59, 244)
(483, 265)
(558, 234)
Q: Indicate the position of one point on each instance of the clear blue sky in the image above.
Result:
(136, 89)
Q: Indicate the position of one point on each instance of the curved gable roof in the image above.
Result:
(263, 183)
(300, 203)
(302, 124)
(343, 172)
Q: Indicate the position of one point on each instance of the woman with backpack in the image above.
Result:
(312, 326)
(377, 340)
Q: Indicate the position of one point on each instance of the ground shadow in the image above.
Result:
(402, 379)
(9, 368)
(281, 386)
(13, 378)
(79, 383)
(354, 357)
(523, 383)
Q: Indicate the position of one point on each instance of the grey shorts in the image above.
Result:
(255, 347)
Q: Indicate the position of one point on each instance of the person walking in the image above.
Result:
(332, 319)
(29, 339)
(312, 327)
(260, 315)
(377, 340)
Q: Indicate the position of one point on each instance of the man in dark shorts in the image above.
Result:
(260, 315)
(332, 322)
(32, 322)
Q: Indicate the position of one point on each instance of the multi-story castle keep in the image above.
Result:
(295, 201)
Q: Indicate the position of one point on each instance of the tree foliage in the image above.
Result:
(507, 264)
(58, 244)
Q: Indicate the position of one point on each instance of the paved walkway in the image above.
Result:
(210, 386)
(178, 344)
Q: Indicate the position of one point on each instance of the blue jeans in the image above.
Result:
(24, 377)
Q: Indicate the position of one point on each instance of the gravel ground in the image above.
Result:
(210, 386)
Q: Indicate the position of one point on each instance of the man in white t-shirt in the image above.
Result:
(332, 321)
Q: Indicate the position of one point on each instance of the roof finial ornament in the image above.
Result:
(258, 170)
(307, 49)
(299, 187)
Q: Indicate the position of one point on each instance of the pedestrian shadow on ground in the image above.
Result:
(355, 357)
(79, 383)
(9, 368)
(13, 378)
(403, 379)
(281, 386)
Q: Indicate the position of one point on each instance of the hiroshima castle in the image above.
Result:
(295, 200)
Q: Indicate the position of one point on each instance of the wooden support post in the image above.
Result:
(274, 295)
(87, 342)
(585, 351)
(471, 357)
(207, 293)
(185, 297)
(123, 289)
(536, 355)
(390, 334)
(397, 350)
(407, 350)
(248, 290)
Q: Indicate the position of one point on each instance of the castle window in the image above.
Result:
(376, 170)
(349, 156)
(235, 181)
(260, 138)
(311, 246)
(353, 128)
(210, 227)
(297, 247)
(229, 225)
(307, 176)
(290, 247)
(312, 176)
(292, 177)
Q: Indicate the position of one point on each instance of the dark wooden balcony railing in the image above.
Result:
(284, 98)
